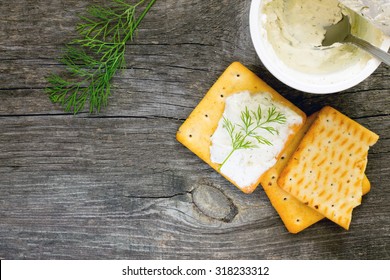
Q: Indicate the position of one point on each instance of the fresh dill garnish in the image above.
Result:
(251, 121)
(93, 59)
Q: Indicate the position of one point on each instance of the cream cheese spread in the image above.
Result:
(376, 11)
(296, 28)
(244, 166)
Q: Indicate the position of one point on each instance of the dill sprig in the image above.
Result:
(251, 121)
(93, 59)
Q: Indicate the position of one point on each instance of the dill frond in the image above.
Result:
(93, 59)
(251, 121)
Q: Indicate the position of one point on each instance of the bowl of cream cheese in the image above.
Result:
(287, 36)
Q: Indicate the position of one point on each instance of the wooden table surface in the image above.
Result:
(117, 185)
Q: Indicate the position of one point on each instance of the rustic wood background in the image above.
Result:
(117, 185)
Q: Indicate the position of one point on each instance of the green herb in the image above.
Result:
(251, 121)
(93, 59)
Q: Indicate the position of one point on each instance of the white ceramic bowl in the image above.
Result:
(307, 82)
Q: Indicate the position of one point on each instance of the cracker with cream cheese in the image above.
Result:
(195, 133)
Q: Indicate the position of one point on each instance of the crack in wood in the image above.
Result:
(86, 115)
(159, 197)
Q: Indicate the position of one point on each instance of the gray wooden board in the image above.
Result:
(118, 185)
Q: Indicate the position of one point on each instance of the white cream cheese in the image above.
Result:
(296, 28)
(245, 166)
(376, 11)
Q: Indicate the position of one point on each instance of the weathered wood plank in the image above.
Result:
(156, 91)
(79, 182)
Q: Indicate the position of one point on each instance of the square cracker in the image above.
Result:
(327, 169)
(196, 131)
(295, 215)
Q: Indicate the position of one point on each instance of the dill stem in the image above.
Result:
(140, 18)
(226, 159)
(235, 149)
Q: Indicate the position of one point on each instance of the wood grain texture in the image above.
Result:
(117, 185)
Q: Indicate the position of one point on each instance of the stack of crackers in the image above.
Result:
(320, 171)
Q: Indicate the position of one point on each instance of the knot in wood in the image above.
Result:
(213, 203)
